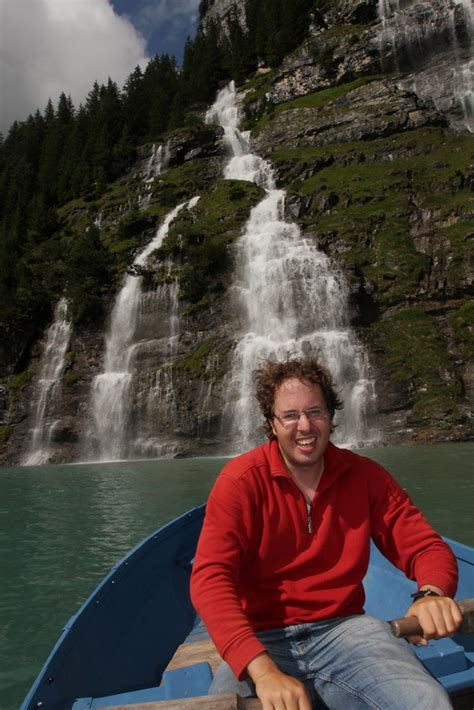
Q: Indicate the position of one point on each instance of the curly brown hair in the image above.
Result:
(272, 373)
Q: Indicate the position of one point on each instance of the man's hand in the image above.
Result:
(276, 690)
(437, 616)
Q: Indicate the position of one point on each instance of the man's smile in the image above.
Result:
(306, 442)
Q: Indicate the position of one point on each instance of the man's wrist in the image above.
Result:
(422, 593)
(427, 590)
(261, 665)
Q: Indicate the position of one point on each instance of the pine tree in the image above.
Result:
(238, 56)
(203, 65)
(42, 220)
(161, 83)
(88, 274)
(65, 111)
(75, 157)
(123, 153)
(93, 100)
(135, 105)
(294, 23)
(107, 128)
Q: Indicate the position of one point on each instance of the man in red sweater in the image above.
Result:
(284, 548)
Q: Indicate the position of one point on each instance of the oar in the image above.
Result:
(409, 626)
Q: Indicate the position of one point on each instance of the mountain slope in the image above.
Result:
(371, 142)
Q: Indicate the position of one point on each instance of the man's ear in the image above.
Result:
(270, 421)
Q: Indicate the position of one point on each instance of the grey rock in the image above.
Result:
(219, 11)
(376, 109)
(202, 142)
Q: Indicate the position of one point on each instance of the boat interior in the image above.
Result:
(137, 644)
(187, 677)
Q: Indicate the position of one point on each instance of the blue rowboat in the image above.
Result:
(117, 649)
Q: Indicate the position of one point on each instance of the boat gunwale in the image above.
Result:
(134, 555)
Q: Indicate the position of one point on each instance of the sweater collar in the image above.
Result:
(336, 462)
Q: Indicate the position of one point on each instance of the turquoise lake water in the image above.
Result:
(63, 527)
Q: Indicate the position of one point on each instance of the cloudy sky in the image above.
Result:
(49, 46)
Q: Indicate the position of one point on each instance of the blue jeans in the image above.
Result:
(346, 664)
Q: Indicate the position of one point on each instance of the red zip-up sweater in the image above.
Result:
(261, 563)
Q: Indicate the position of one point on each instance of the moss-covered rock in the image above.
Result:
(463, 325)
(365, 109)
(193, 141)
(19, 381)
(396, 211)
(5, 432)
(200, 240)
(186, 181)
(415, 360)
(206, 360)
(70, 377)
(415, 351)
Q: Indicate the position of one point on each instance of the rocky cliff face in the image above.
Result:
(220, 11)
(379, 171)
(368, 130)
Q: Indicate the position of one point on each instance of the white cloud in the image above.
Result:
(49, 46)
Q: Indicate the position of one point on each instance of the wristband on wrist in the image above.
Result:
(421, 593)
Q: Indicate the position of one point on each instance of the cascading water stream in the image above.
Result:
(52, 366)
(406, 27)
(154, 165)
(292, 299)
(113, 394)
(466, 94)
(157, 162)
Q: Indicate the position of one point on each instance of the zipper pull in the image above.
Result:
(310, 525)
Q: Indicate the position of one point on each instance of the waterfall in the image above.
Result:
(466, 93)
(411, 33)
(405, 38)
(291, 299)
(157, 162)
(155, 165)
(52, 364)
(135, 332)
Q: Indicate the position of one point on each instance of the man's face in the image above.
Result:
(302, 443)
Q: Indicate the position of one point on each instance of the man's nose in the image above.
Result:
(304, 423)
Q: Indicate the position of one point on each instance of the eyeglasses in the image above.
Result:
(291, 419)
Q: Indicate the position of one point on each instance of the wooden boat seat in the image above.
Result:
(197, 648)
(195, 652)
(209, 702)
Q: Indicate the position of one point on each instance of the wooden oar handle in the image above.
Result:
(409, 626)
